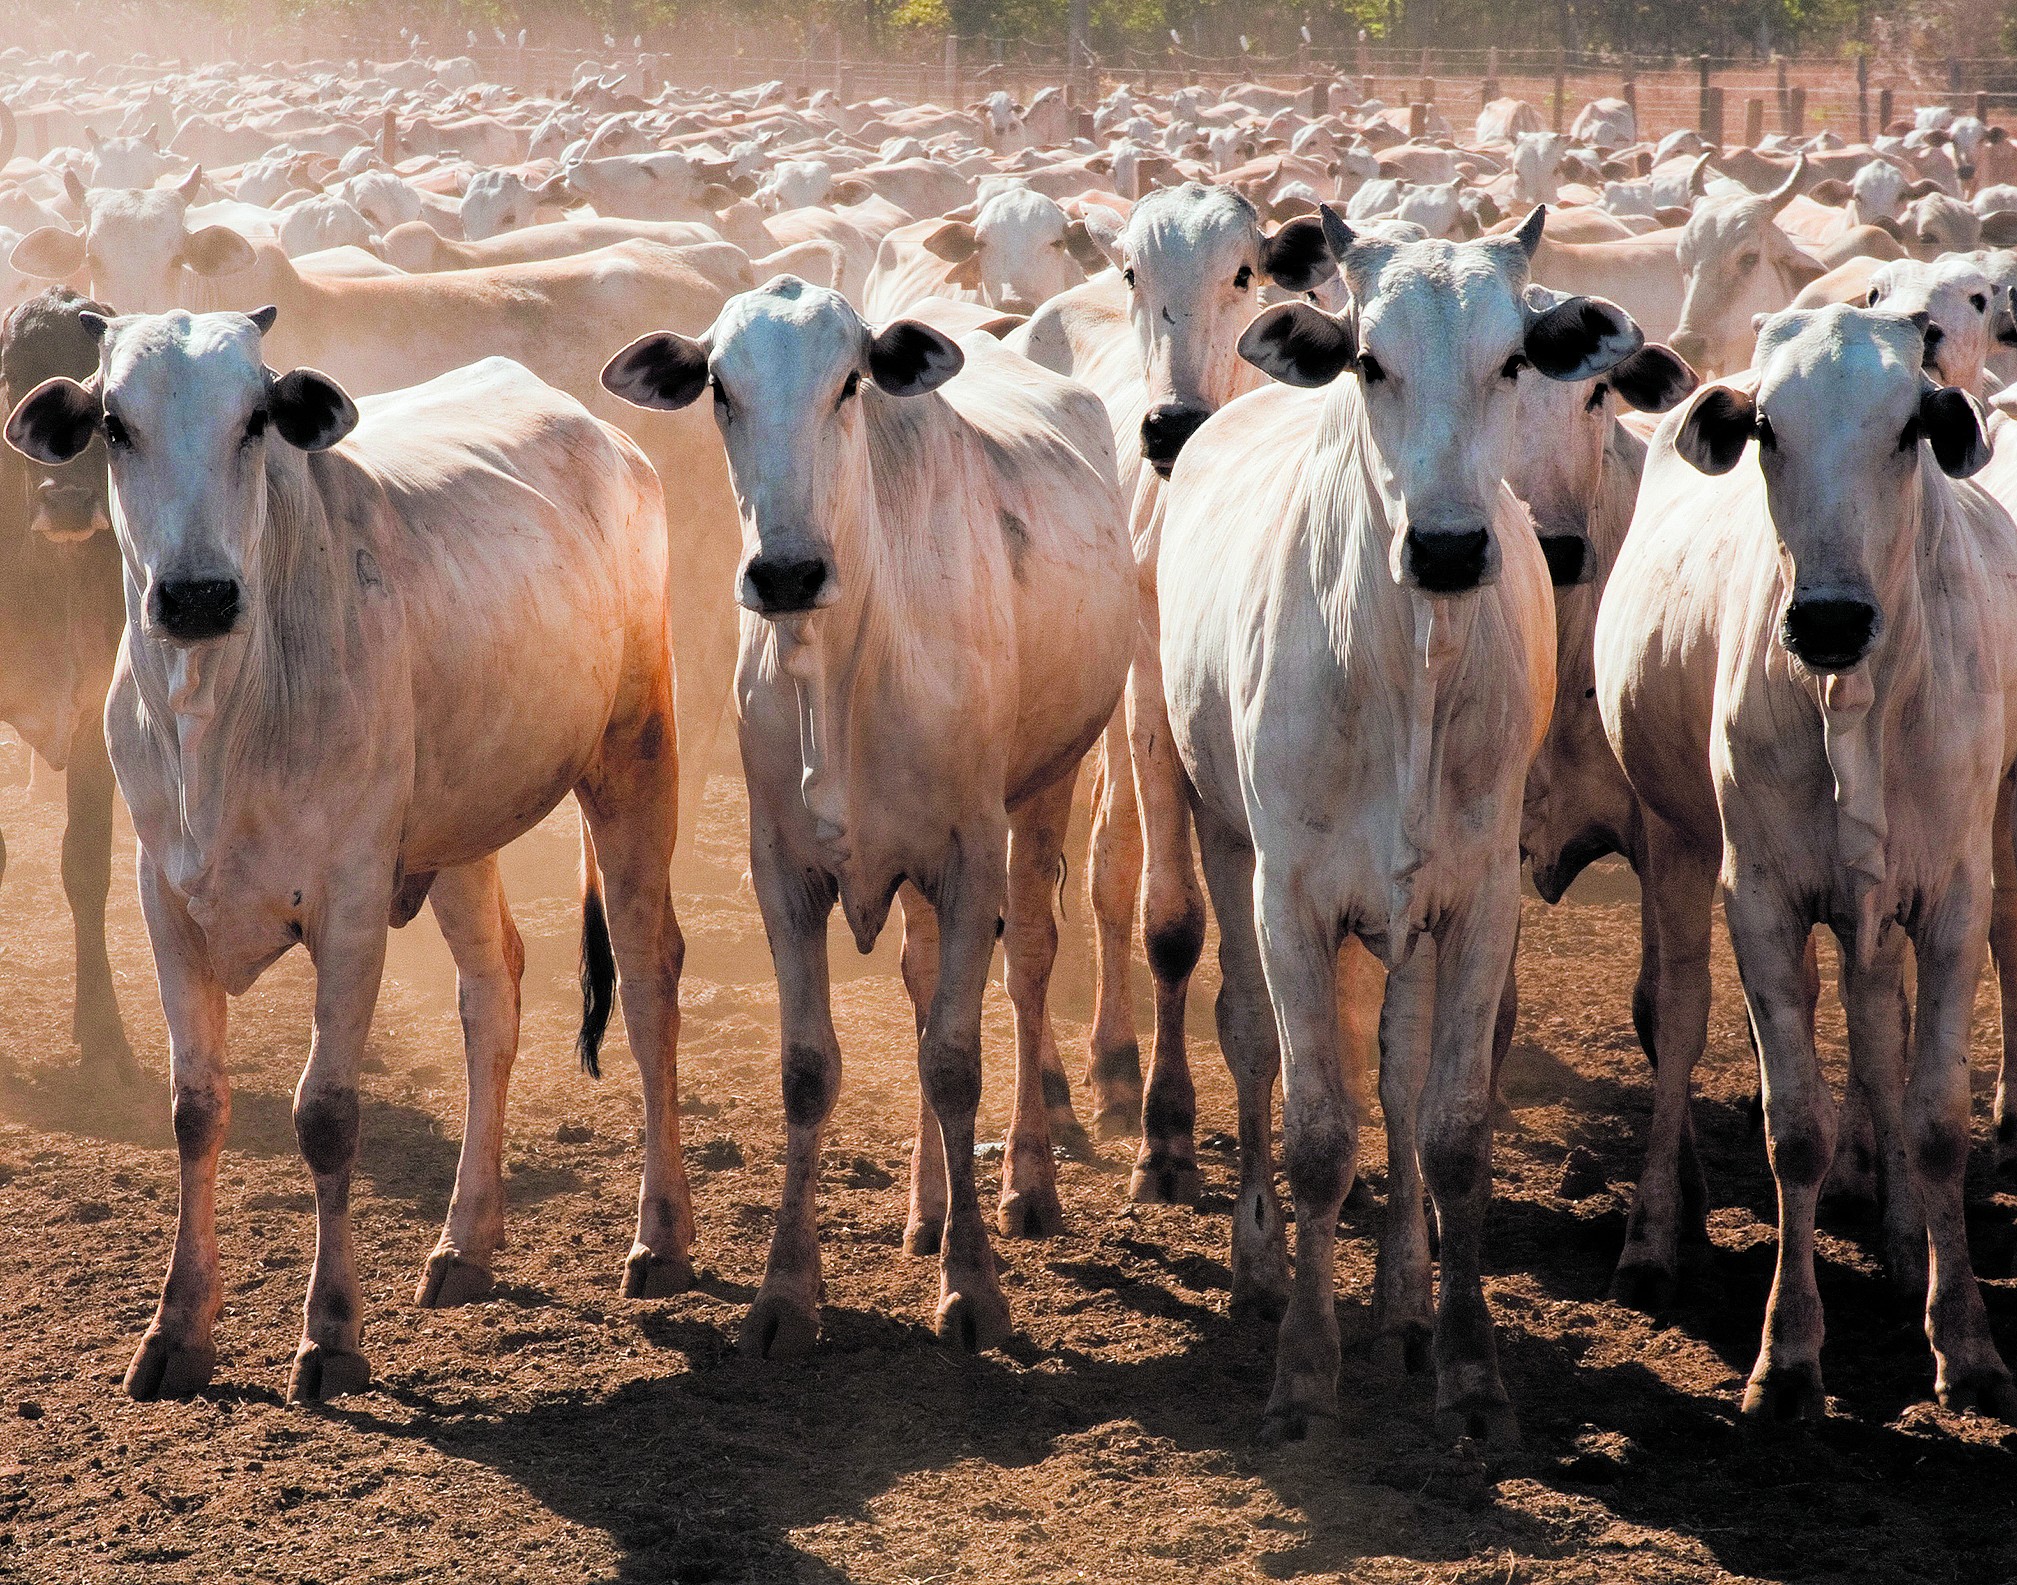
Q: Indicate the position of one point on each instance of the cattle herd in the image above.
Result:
(380, 436)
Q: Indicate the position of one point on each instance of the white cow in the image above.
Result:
(1736, 264)
(1358, 652)
(941, 599)
(350, 674)
(1020, 250)
(1824, 612)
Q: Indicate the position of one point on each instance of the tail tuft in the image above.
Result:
(598, 978)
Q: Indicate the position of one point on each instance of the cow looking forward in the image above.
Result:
(355, 665)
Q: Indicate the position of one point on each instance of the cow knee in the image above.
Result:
(1941, 1149)
(200, 1117)
(1174, 943)
(950, 1073)
(1455, 1161)
(325, 1125)
(1801, 1148)
(811, 1081)
(1321, 1157)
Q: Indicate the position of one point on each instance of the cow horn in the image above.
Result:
(1782, 195)
(1698, 177)
(10, 134)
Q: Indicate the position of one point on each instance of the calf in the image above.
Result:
(355, 665)
(1825, 616)
(944, 599)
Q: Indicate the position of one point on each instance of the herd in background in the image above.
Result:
(381, 434)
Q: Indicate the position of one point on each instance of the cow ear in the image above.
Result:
(191, 184)
(1084, 247)
(73, 187)
(1831, 190)
(1580, 337)
(217, 250)
(661, 370)
(1300, 344)
(1952, 421)
(311, 411)
(955, 241)
(1715, 428)
(1999, 228)
(55, 421)
(2003, 317)
(907, 358)
(1296, 258)
(1654, 379)
(1801, 267)
(49, 253)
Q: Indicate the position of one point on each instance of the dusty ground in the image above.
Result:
(561, 1433)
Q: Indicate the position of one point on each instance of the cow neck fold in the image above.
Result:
(1374, 620)
(268, 695)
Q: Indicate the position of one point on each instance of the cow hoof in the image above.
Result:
(923, 1238)
(1787, 1393)
(1118, 1117)
(1986, 1392)
(1482, 1417)
(651, 1276)
(1293, 1417)
(324, 1373)
(974, 1322)
(1644, 1286)
(449, 1279)
(778, 1328)
(1258, 1301)
(161, 1370)
(1069, 1137)
(1403, 1350)
(1164, 1180)
(1031, 1213)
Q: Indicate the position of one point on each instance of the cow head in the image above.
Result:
(1020, 250)
(1841, 411)
(1967, 319)
(1194, 260)
(137, 247)
(187, 409)
(1736, 264)
(792, 368)
(45, 338)
(1438, 336)
(496, 202)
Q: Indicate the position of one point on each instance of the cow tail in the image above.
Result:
(598, 962)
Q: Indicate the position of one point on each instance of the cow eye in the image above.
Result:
(1244, 279)
(1370, 370)
(1513, 366)
(255, 426)
(1981, 303)
(1597, 394)
(1129, 277)
(849, 386)
(1748, 262)
(115, 432)
(723, 407)
(1908, 439)
(1768, 439)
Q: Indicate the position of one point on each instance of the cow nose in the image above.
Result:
(193, 609)
(1447, 561)
(1568, 559)
(1164, 431)
(68, 511)
(785, 584)
(1830, 635)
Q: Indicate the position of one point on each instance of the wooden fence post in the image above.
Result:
(952, 93)
(1702, 97)
(1428, 93)
(1754, 122)
(1629, 91)
(1785, 99)
(1884, 108)
(1953, 77)
(1489, 90)
(1796, 113)
(1561, 91)
(1418, 121)
(1862, 99)
(1981, 107)
(1712, 133)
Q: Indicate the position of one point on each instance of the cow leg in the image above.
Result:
(179, 1351)
(971, 1309)
(475, 920)
(348, 947)
(783, 1321)
(87, 880)
(924, 1227)
(1403, 1312)
(2003, 948)
(1299, 949)
(1678, 883)
(1694, 1185)
(1173, 928)
(1252, 1048)
(1770, 940)
(631, 806)
(1968, 1373)
(1454, 1134)
(1879, 1033)
(1029, 1188)
(1506, 1018)
(1114, 1058)
(1853, 1174)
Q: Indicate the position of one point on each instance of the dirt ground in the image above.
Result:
(561, 1433)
